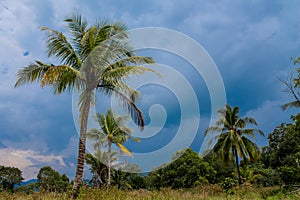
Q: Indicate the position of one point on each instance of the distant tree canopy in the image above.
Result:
(9, 176)
(186, 170)
(51, 181)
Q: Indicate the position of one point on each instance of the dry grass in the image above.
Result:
(212, 192)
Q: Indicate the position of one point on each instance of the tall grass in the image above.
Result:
(212, 192)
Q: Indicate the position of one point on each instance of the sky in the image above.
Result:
(250, 44)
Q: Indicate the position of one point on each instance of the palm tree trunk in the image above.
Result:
(237, 165)
(109, 163)
(82, 144)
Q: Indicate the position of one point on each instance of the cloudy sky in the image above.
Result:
(251, 44)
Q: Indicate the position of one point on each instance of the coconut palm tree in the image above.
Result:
(113, 131)
(234, 138)
(96, 57)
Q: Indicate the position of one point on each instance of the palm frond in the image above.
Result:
(108, 30)
(61, 73)
(131, 107)
(242, 149)
(124, 149)
(33, 72)
(213, 129)
(247, 132)
(240, 123)
(59, 47)
(252, 148)
(250, 121)
(77, 26)
(297, 61)
(290, 105)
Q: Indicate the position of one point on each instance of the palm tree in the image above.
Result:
(234, 138)
(92, 58)
(113, 131)
(98, 167)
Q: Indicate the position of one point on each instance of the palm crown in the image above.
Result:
(234, 134)
(97, 57)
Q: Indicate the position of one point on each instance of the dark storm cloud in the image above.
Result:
(251, 43)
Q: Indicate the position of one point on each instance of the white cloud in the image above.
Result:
(29, 161)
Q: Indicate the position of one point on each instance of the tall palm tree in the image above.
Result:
(113, 131)
(234, 140)
(96, 57)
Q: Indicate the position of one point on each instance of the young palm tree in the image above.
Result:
(98, 167)
(234, 139)
(95, 57)
(113, 131)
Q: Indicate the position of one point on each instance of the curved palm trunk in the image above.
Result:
(109, 164)
(237, 165)
(82, 144)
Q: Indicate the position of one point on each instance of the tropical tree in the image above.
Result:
(283, 152)
(98, 167)
(96, 57)
(292, 85)
(9, 176)
(128, 176)
(113, 131)
(51, 181)
(234, 138)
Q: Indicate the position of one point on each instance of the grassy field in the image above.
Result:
(199, 193)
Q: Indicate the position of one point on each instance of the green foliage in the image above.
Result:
(9, 176)
(289, 175)
(223, 169)
(113, 130)
(127, 177)
(234, 135)
(185, 171)
(27, 189)
(211, 192)
(98, 169)
(228, 184)
(234, 138)
(282, 154)
(266, 176)
(50, 180)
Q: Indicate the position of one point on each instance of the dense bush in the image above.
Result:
(283, 151)
(186, 170)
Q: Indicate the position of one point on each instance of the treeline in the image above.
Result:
(278, 164)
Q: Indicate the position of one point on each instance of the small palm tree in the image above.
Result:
(98, 162)
(113, 131)
(92, 58)
(234, 140)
